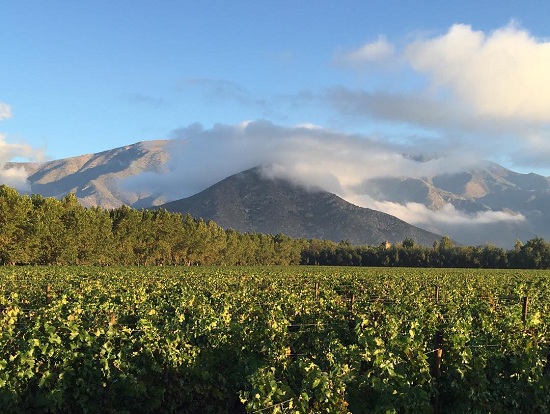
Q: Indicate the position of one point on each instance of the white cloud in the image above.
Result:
(9, 151)
(332, 160)
(11, 174)
(378, 51)
(15, 177)
(5, 111)
(504, 74)
(309, 125)
(485, 92)
(419, 214)
(500, 227)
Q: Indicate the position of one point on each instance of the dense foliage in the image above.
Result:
(273, 340)
(38, 230)
(534, 254)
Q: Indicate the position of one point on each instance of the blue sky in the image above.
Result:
(470, 78)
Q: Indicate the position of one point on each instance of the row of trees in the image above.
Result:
(38, 230)
(534, 254)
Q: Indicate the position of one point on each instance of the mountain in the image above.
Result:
(488, 187)
(95, 178)
(485, 204)
(485, 194)
(250, 202)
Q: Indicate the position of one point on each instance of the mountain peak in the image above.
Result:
(251, 202)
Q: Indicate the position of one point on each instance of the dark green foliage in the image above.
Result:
(46, 231)
(535, 254)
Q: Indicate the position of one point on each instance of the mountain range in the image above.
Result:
(485, 204)
(95, 178)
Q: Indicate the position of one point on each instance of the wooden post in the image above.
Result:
(438, 354)
(48, 293)
(316, 290)
(351, 302)
(524, 302)
(437, 293)
(436, 368)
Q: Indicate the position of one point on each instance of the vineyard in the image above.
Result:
(274, 340)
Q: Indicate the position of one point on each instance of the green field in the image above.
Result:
(274, 340)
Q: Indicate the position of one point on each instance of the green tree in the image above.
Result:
(536, 254)
(409, 243)
(16, 227)
(50, 231)
(126, 235)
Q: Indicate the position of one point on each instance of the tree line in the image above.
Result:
(46, 231)
(534, 254)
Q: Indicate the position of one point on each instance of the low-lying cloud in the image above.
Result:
(10, 174)
(312, 157)
(500, 228)
(439, 221)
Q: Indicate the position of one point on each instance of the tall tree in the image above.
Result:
(16, 229)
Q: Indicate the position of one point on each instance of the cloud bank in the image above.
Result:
(312, 157)
(488, 91)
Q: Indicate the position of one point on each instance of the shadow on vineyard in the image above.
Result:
(273, 340)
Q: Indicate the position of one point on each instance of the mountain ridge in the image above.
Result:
(95, 178)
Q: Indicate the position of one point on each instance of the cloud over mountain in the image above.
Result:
(312, 157)
(16, 176)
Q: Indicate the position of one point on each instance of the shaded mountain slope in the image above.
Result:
(249, 202)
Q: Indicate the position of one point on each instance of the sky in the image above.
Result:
(336, 92)
(86, 76)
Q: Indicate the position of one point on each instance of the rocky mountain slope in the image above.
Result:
(488, 189)
(250, 202)
(95, 178)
